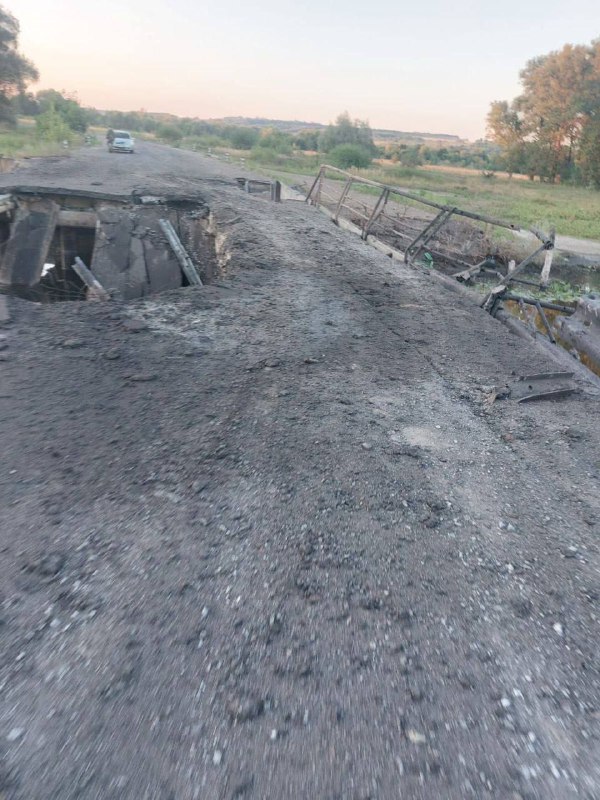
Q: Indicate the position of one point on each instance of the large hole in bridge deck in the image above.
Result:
(130, 249)
(59, 281)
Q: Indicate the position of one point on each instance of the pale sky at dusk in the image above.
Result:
(431, 66)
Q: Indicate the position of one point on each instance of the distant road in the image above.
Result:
(587, 248)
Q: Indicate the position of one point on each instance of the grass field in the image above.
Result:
(573, 210)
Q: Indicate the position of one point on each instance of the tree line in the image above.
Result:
(552, 129)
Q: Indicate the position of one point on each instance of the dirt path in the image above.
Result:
(588, 249)
(275, 544)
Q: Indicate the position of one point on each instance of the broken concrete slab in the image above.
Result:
(4, 312)
(110, 259)
(163, 269)
(136, 278)
(26, 250)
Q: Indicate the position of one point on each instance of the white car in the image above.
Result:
(121, 142)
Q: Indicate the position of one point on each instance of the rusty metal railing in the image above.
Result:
(416, 224)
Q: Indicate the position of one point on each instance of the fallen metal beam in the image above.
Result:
(543, 386)
(187, 265)
(95, 289)
(532, 301)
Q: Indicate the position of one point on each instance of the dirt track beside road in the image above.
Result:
(270, 541)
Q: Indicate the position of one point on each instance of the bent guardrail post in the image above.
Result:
(545, 275)
(377, 212)
(316, 182)
(343, 196)
(419, 242)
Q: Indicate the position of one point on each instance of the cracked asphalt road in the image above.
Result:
(275, 543)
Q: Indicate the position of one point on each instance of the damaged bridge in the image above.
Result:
(133, 245)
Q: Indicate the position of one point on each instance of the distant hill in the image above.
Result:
(392, 136)
(285, 125)
(295, 126)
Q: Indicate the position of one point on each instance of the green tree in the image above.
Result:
(67, 106)
(350, 155)
(16, 71)
(543, 128)
(307, 140)
(24, 103)
(508, 130)
(51, 127)
(243, 138)
(411, 156)
(346, 131)
(589, 153)
(553, 88)
(170, 133)
(277, 141)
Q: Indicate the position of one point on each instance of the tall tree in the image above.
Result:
(346, 131)
(66, 105)
(560, 98)
(15, 70)
(508, 130)
(551, 102)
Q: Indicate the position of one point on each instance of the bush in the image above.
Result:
(350, 155)
(276, 141)
(243, 138)
(411, 157)
(170, 133)
(51, 127)
(265, 155)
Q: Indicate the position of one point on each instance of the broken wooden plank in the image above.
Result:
(186, 262)
(95, 289)
(30, 238)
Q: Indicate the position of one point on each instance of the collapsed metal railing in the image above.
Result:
(414, 226)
